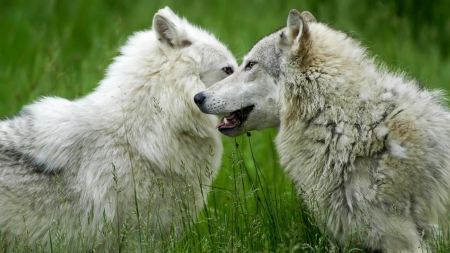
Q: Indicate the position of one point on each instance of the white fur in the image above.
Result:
(367, 148)
(57, 157)
(382, 179)
(396, 150)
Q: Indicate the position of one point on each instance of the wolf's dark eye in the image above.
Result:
(250, 65)
(228, 70)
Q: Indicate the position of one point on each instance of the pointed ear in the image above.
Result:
(297, 28)
(308, 17)
(294, 28)
(167, 32)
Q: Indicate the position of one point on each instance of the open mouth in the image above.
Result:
(235, 119)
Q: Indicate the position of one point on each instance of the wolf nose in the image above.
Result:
(199, 98)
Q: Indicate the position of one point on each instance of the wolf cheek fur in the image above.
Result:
(71, 167)
(366, 147)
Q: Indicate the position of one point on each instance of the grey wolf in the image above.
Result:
(136, 144)
(367, 148)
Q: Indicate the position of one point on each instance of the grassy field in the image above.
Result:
(62, 48)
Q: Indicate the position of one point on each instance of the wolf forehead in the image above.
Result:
(267, 54)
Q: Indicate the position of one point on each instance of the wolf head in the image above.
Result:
(248, 99)
(174, 34)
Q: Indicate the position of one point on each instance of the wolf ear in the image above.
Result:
(308, 17)
(294, 27)
(297, 29)
(164, 24)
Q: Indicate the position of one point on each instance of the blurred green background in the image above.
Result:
(62, 48)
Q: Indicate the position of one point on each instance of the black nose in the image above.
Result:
(199, 98)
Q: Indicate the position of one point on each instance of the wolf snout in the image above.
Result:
(199, 98)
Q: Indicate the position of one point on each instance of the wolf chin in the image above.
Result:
(136, 145)
(367, 148)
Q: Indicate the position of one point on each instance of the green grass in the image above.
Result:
(62, 48)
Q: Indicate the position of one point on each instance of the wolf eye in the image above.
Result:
(228, 70)
(249, 65)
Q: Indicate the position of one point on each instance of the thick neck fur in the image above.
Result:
(338, 96)
(321, 67)
(153, 93)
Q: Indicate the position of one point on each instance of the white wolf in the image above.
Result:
(137, 143)
(367, 148)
